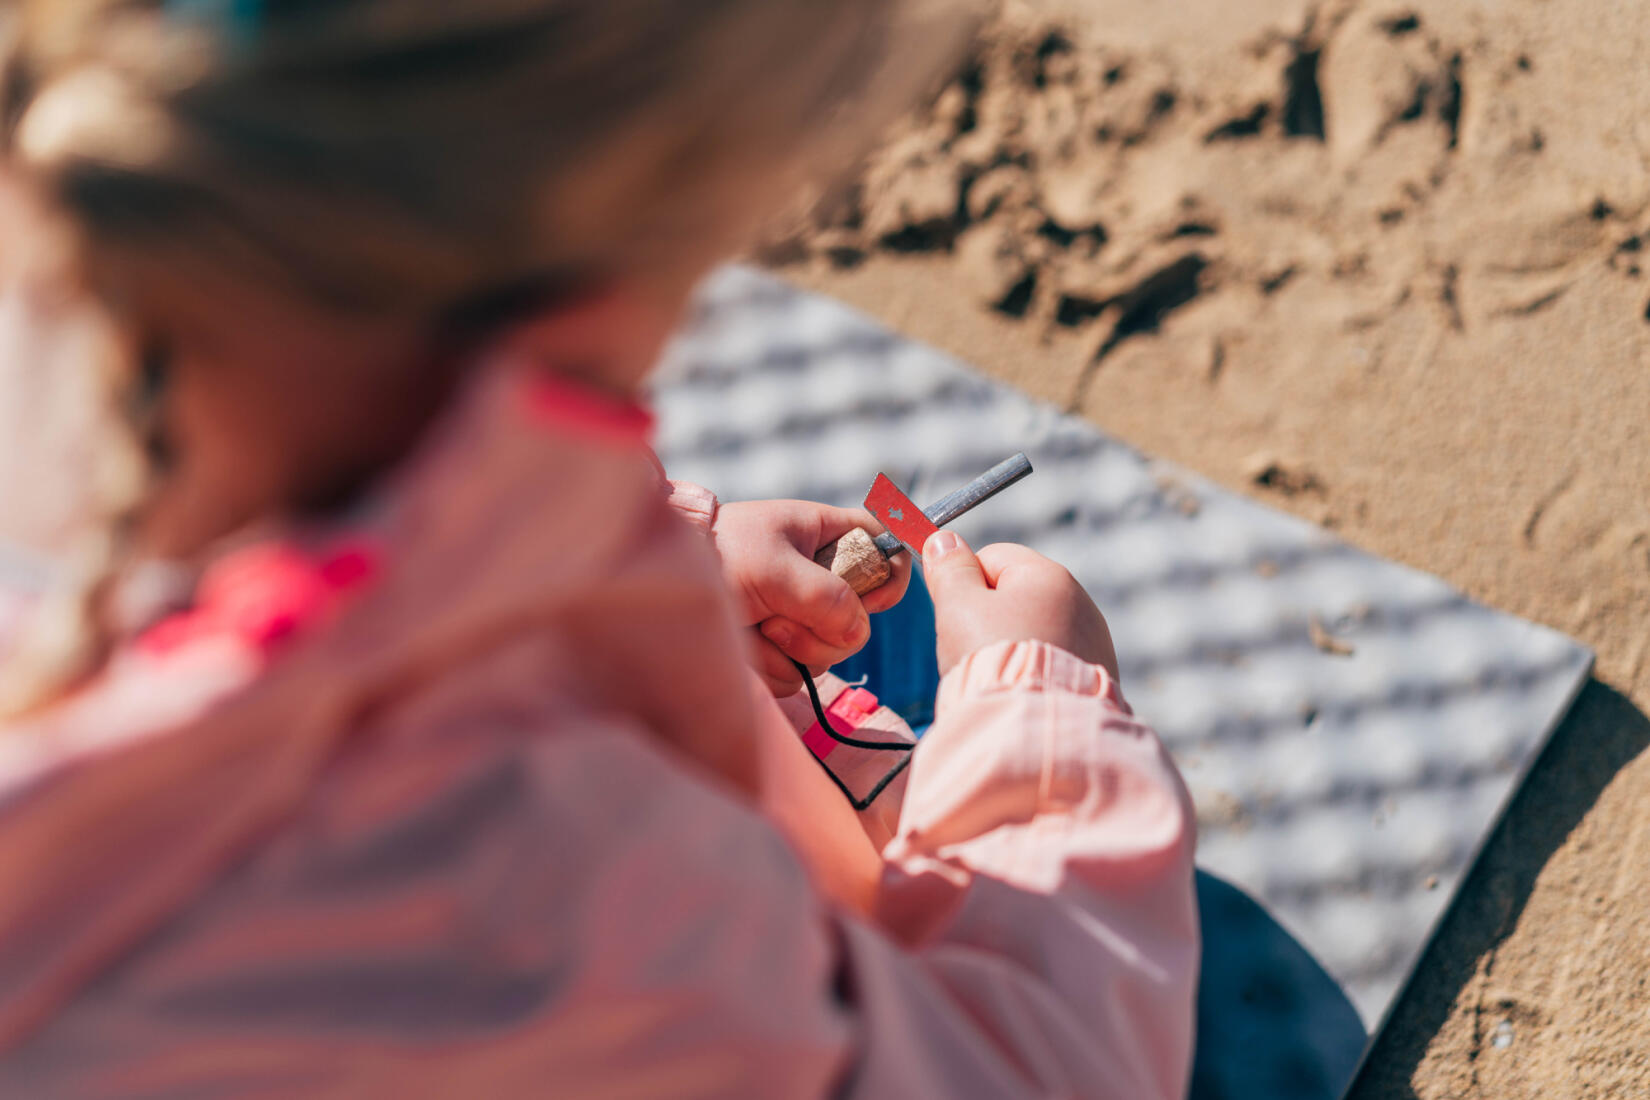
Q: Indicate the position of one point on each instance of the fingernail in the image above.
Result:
(939, 544)
(780, 634)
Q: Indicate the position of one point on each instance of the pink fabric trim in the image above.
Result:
(265, 595)
(847, 712)
(558, 402)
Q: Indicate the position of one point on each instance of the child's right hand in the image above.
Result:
(1009, 593)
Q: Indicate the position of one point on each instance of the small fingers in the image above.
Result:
(797, 589)
(799, 643)
(892, 590)
(1000, 557)
(778, 674)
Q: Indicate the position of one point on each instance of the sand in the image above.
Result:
(1385, 267)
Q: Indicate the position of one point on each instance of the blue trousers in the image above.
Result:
(898, 663)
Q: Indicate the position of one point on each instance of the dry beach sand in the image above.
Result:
(1386, 266)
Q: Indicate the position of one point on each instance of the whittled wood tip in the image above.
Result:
(855, 558)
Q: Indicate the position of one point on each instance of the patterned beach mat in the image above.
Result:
(1351, 729)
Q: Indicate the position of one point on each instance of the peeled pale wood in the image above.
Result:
(856, 559)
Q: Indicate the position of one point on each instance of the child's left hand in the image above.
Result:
(796, 607)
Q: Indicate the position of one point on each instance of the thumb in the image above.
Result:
(949, 567)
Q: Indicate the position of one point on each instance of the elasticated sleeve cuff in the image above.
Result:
(1028, 666)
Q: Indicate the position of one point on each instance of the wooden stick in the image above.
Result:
(856, 559)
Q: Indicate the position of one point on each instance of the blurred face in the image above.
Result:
(272, 405)
(269, 406)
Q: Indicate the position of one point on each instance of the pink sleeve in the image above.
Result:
(478, 908)
(1042, 877)
(1037, 933)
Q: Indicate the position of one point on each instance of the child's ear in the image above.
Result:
(609, 336)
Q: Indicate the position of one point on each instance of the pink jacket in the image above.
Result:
(480, 799)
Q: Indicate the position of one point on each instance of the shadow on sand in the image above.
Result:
(1602, 734)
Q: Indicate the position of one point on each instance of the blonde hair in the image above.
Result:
(411, 158)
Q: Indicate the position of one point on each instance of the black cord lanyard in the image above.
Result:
(842, 739)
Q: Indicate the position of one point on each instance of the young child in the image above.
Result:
(399, 730)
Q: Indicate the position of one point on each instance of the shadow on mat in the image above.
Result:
(1602, 734)
(1271, 1023)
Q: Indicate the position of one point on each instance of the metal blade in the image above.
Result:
(899, 514)
(885, 495)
